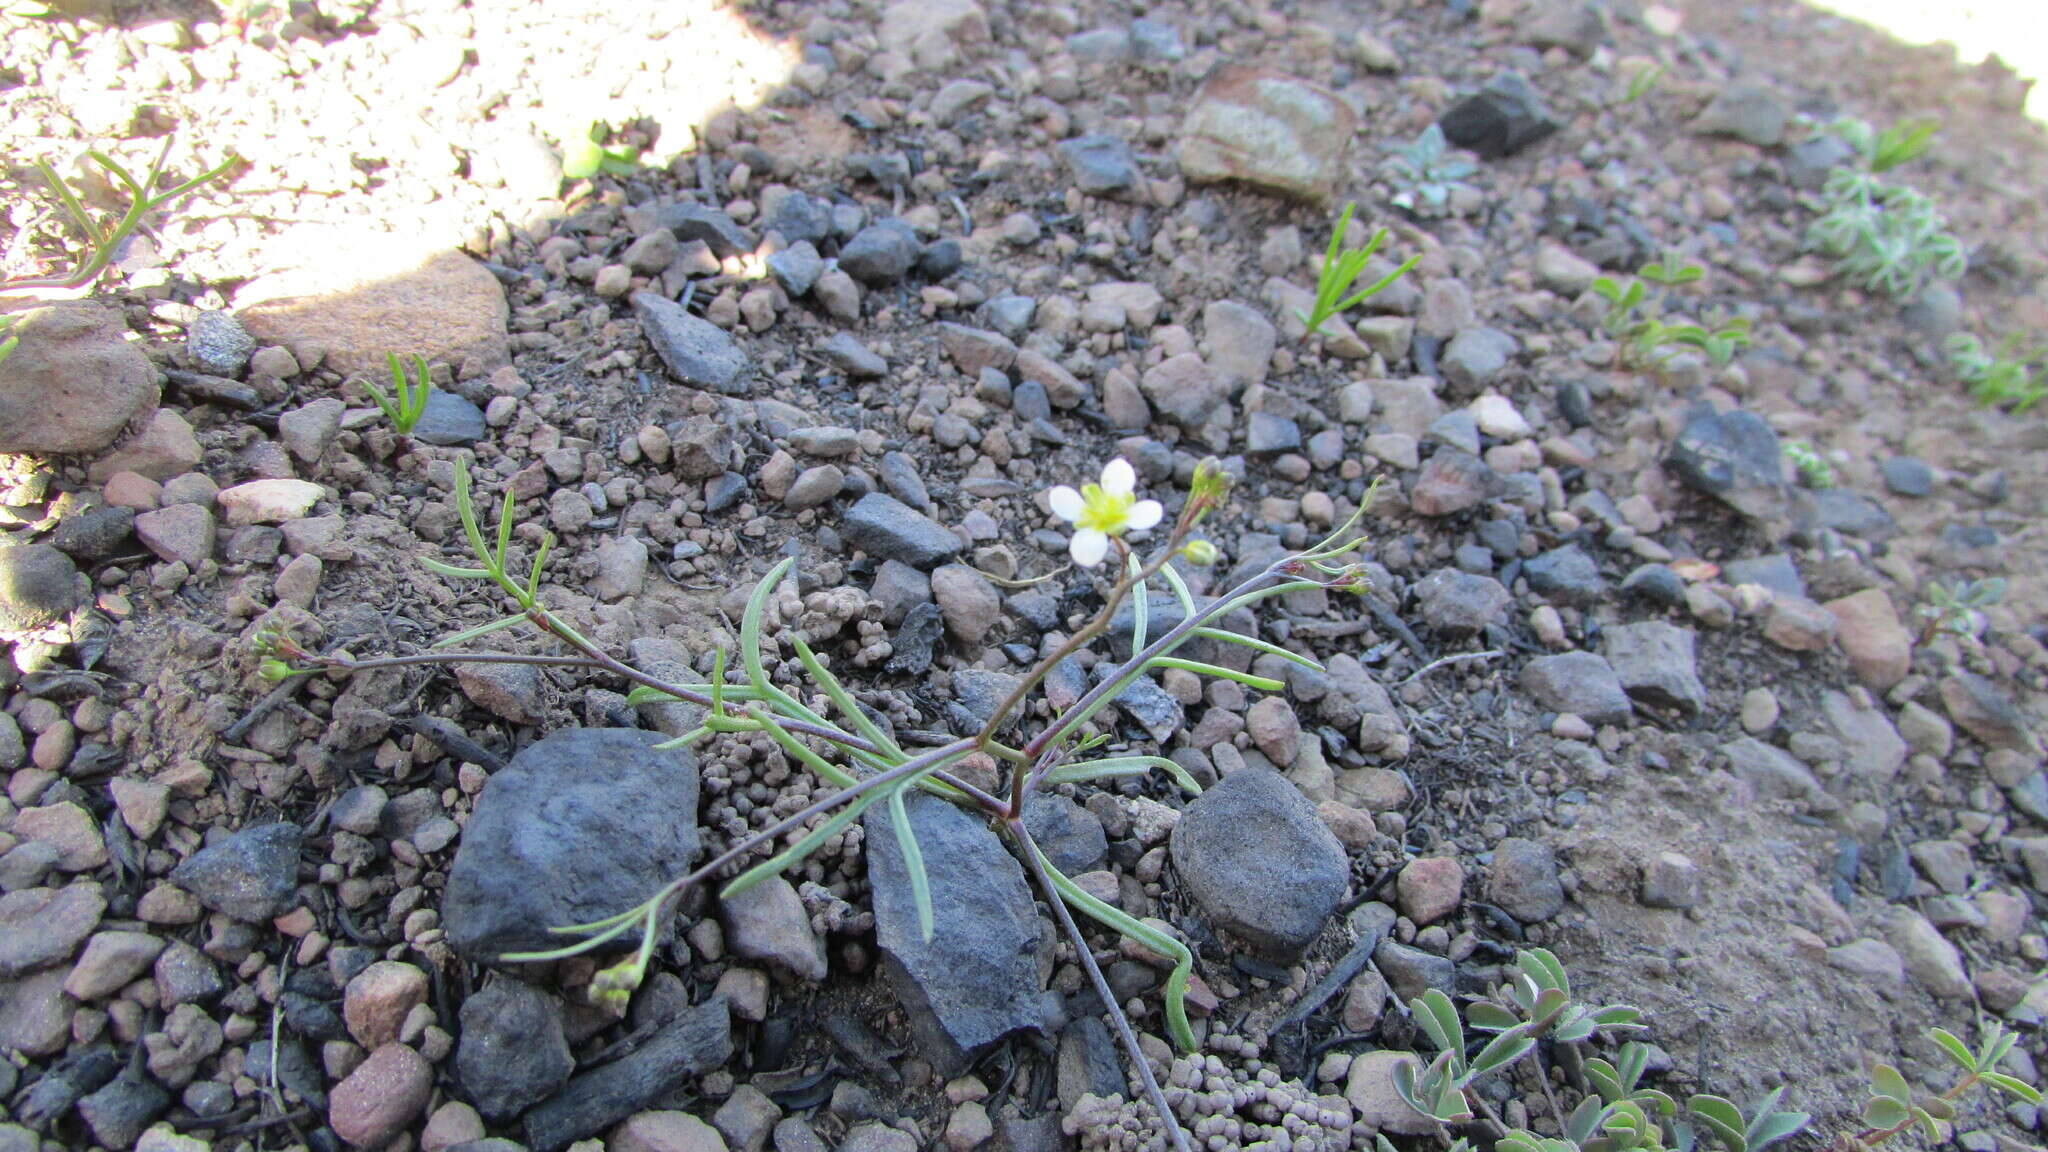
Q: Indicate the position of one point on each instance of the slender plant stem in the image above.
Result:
(1029, 850)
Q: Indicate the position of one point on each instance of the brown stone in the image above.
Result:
(73, 383)
(1879, 648)
(381, 1097)
(1268, 129)
(392, 293)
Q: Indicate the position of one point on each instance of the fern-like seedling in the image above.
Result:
(107, 240)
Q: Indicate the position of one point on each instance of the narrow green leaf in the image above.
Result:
(825, 769)
(2013, 1085)
(1256, 645)
(1141, 608)
(782, 861)
(569, 950)
(540, 560)
(913, 861)
(468, 634)
(843, 700)
(1180, 590)
(750, 646)
(441, 568)
(1116, 919)
(686, 739)
(1262, 683)
(1123, 766)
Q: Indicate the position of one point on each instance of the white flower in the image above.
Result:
(1102, 510)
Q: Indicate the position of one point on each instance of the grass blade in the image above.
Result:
(468, 634)
(1120, 921)
(1218, 671)
(913, 860)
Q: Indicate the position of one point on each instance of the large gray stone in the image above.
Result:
(1734, 457)
(1259, 861)
(1656, 664)
(251, 875)
(38, 585)
(513, 1053)
(1577, 682)
(1267, 129)
(697, 352)
(976, 980)
(889, 529)
(579, 826)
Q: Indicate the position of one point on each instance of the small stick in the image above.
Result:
(1460, 658)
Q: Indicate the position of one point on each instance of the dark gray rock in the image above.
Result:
(1460, 603)
(1069, 835)
(899, 476)
(1577, 682)
(693, 1043)
(1655, 663)
(1500, 119)
(449, 420)
(696, 351)
(123, 1109)
(797, 267)
(513, 1053)
(1088, 1061)
(1099, 164)
(295, 1069)
(846, 353)
(1567, 575)
(38, 585)
(1734, 457)
(915, 639)
(940, 259)
(1153, 707)
(888, 529)
(1259, 862)
(881, 252)
(1908, 476)
(976, 981)
(89, 534)
(800, 218)
(579, 826)
(250, 876)
(978, 692)
(1657, 583)
(716, 229)
(1848, 513)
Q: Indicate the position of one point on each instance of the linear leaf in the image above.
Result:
(913, 861)
(843, 700)
(441, 568)
(1257, 645)
(829, 771)
(1141, 609)
(1262, 683)
(1123, 922)
(1180, 589)
(781, 862)
(468, 634)
(1122, 766)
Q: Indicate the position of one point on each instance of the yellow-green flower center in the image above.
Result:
(1105, 511)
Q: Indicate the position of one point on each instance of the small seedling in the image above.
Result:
(411, 391)
(106, 242)
(1341, 268)
(1814, 471)
(1891, 239)
(1428, 172)
(1649, 340)
(1902, 143)
(1893, 1108)
(1643, 82)
(583, 155)
(2013, 378)
(12, 338)
(1959, 609)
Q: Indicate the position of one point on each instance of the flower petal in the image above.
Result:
(1119, 476)
(1088, 547)
(1144, 514)
(1066, 503)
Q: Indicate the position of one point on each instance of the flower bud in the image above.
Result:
(1201, 553)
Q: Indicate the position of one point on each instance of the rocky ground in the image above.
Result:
(1622, 687)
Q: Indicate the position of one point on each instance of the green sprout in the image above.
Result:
(1902, 143)
(407, 400)
(1643, 82)
(13, 338)
(1635, 317)
(1342, 267)
(2015, 378)
(106, 241)
(1893, 1108)
(1814, 471)
(1889, 238)
(584, 155)
(1426, 173)
(1958, 609)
